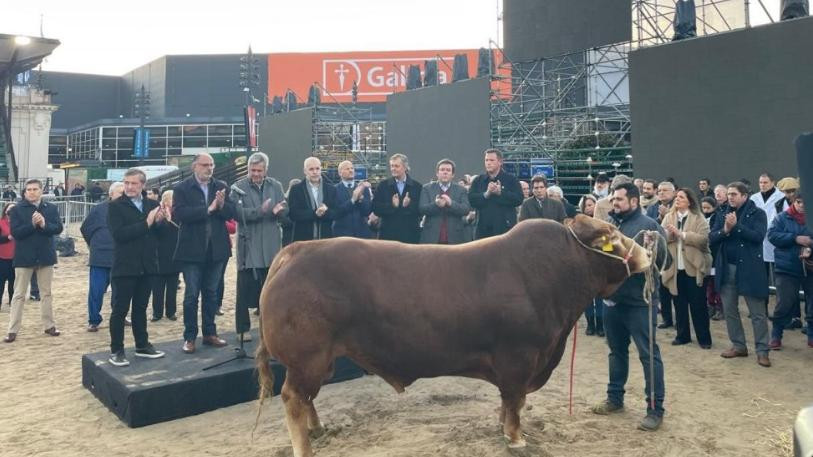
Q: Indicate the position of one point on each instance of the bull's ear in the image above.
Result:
(591, 231)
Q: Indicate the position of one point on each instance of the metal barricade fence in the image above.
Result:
(72, 213)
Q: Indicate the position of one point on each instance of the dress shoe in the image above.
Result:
(155, 319)
(734, 352)
(650, 423)
(810, 343)
(173, 317)
(10, 338)
(214, 340)
(664, 325)
(52, 331)
(93, 328)
(219, 312)
(764, 361)
(188, 347)
(677, 342)
(775, 345)
(257, 312)
(127, 322)
(705, 346)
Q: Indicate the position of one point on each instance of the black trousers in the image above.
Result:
(7, 274)
(129, 290)
(165, 292)
(666, 305)
(249, 285)
(691, 299)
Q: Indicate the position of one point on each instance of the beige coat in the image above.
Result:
(604, 206)
(696, 253)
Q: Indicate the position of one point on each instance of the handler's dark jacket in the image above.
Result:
(631, 292)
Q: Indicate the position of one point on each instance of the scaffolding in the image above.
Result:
(572, 112)
(349, 132)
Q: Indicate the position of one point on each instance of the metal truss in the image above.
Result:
(349, 132)
(570, 111)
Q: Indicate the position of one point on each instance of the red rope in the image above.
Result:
(572, 364)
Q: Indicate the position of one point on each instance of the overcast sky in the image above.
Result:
(113, 37)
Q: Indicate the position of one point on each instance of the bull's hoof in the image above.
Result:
(317, 432)
(518, 444)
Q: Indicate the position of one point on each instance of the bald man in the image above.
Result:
(312, 204)
(355, 203)
(201, 207)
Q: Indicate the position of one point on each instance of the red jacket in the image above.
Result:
(6, 245)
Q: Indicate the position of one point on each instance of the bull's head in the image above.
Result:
(603, 237)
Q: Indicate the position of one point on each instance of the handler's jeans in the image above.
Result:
(200, 279)
(99, 280)
(733, 322)
(787, 301)
(620, 323)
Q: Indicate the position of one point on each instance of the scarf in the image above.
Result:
(796, 215)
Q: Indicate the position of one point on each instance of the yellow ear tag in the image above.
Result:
(607, 246)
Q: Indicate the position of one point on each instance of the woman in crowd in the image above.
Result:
(688, 244)
(793, 269)
(713, 300)
(595, 311)
(165, 283)
(6, 253)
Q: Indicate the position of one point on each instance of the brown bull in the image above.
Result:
(498, 309)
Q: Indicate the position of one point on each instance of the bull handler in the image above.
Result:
(626, 315)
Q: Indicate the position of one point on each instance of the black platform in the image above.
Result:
(157, 390)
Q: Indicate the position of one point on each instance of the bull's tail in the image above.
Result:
(265, 378)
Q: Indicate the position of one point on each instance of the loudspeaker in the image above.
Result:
(804, 161)
(460, 67)
(791, 9)
(430, 73)
(314, 96)
(485, 62)
(685, 22)
(413, 77)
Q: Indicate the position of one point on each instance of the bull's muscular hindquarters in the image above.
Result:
(498, 309)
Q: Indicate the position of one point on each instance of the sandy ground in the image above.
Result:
(714, 406)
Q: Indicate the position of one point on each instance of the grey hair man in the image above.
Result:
(260, 203)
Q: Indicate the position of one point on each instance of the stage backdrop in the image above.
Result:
(536, 29)
(727, 106)
(431, 123)
(287, 138)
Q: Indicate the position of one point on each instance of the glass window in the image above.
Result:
(194, 142)
(158, 132)
(109, 132)
(240, 129)
(125, 143)
(194, 130)
(239, 141)
(173, 152)
(108, 143)
(159, 143)
(109, 156)
(174, 130)
(219, 141)
(126, 132)
(174, 142)
(220, 130)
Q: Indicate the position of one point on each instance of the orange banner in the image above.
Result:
(377, 73)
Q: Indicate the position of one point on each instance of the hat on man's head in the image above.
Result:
(786, 184)
(602, 177)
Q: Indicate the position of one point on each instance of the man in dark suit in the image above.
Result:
(355, 203)
(312, 204)
(201, 208)
(540, 206)
(396, 202)
(131, 219)
(443, 205)
(495, 195)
